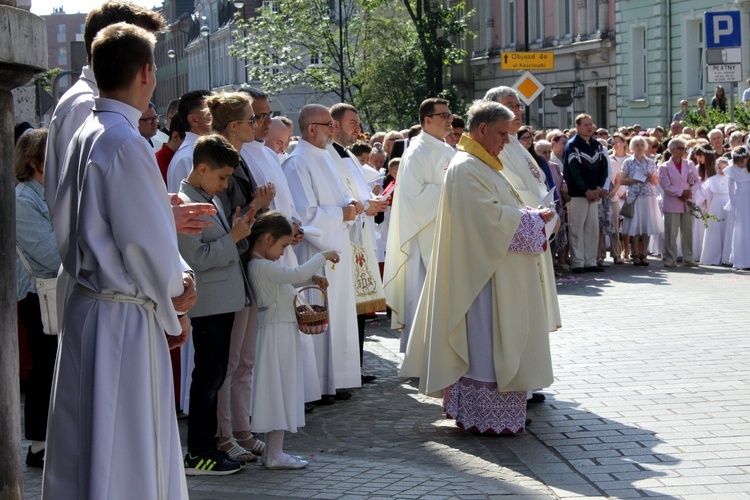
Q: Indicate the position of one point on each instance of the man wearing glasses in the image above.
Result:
(415, 207)
(148, 125)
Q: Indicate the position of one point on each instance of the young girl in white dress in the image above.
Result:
(739, 199)
(717, 241)
(278, 386)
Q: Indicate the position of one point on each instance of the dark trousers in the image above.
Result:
(43, 350)
(361, 327)
(211, 335)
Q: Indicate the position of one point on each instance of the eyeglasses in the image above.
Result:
(329, 125)
(447, 116)
(602, 133)
(252, 120)
(555, 139)
(679, 148)
(151, 119)
(524, 136)
(263, 116)
(516, 107)
(391, 139)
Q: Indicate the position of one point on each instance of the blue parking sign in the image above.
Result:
(723, 29)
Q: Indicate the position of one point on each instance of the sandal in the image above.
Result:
(252, 444)
(237, 452)
(644, 260)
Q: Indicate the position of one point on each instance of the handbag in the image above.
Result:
(46, 291)
(628, 208)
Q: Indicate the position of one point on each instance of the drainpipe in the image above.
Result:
(669, 61)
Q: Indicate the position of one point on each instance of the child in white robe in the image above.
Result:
(716, 245)
(278, 385)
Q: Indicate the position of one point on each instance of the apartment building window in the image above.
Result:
(62, 56)
(693, 58)
(509, 23)
(536, 20)
(592, 21)
(61, 33)
(565, 19)
(315, 59)
(638, 63)
(271, 5)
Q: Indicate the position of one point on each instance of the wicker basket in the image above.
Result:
(312, 319)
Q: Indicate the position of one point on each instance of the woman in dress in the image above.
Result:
(35, 239)
(617, 157)
(704, 158)
(639, 173)
(739, 199)
(717, 241)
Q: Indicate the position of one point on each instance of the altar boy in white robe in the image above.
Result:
(326, 203)
(413, 214)
(112, 414)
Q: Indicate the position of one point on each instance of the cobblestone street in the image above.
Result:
(651, 382)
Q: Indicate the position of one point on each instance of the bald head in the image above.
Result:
(278, 136)
(313, 124)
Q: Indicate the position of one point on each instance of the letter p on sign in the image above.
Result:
(723, 29)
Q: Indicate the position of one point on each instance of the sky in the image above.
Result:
(44, 7)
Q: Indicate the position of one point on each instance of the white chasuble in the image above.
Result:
(469, 254)
(412, 227)
(319, 195)
(368, 286)
(113, 397)
(529, 180)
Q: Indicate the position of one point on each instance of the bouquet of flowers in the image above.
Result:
(697, 212)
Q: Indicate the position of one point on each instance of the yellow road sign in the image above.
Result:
(528, 87)
(527, 60)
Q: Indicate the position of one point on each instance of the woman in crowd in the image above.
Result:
(717, 240)
(639, 173)
(35, 241)
(719, 100)
(739, 199)
(617, 157)
(704, 158)
(232, 117)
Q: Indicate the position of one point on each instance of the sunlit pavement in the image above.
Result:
(652, 377)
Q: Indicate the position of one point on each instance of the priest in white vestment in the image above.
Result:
(415, 203)
(529, 180)
(112, 413)
(325, 203)
(265, 167)
(368, 286)
(478, 334)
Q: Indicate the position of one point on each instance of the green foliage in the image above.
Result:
(714, 116)
(382, 59)
(46, 78)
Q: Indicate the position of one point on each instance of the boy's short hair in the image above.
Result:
(394, 162)
(177, 125)
(191, 102)
(216, 152)
(118, 53)
(361, 147)
(119, 11)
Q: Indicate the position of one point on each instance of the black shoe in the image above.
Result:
(594, 269)
(528, 422)
(325, 399)
(536, 397)
(35, 460)
(309, 408)
(366, 379)
(578, 270)
(213, 463)
(342, 395)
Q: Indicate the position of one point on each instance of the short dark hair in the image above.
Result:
(253, 93)
(414, 131)
(172, 107)
(580, 118)
(338, 110)
(119, 11)
(360, 147)
(191, 102)
(118, 53)
(458, 122)
(216, 152)
(428, 106)
(177, 125)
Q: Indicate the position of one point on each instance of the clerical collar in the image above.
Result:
(341, 150)
(469, 145)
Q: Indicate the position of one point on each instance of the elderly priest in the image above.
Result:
(478, 334)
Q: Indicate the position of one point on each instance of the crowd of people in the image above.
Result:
(179, 253)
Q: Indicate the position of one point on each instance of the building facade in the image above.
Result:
(661, 57)
(580, 34)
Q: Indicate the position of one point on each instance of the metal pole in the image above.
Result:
(526, 45)
(176, 77)
(731, 101)
(341, 46)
